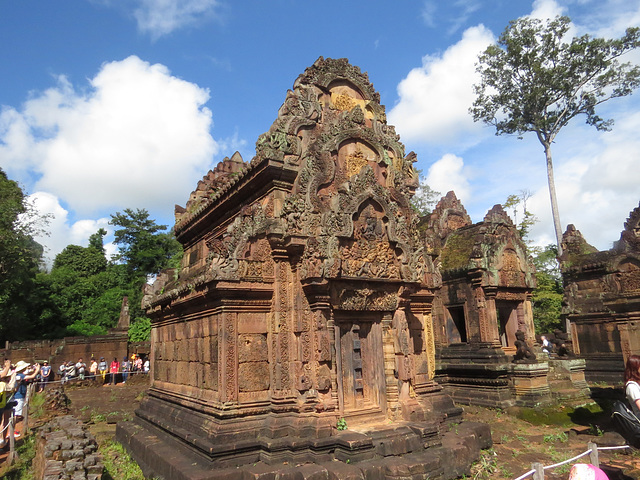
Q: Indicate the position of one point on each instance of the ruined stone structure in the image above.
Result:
(116, 344)
(484, 331)
(602, 299)
(303, 303)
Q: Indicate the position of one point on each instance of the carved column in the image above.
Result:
(528, 319)
(283, 395)
(228, 335)
(325, 344)
(390, 365)
(485, 299)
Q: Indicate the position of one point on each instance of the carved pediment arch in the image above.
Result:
(627, 274)
(324, 72)
(510, 267)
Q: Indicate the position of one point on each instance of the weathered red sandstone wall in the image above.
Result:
(73, 348)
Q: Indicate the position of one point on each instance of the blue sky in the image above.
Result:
(106, 105)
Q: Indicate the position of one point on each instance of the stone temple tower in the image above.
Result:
(303, 306)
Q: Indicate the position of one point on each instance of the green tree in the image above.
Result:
(84, 290)
(515, 203)
(535, 81)
(547, 297)
(84, 261)
(143, 246)
(96, 240)
(20, 259)
(425, 198)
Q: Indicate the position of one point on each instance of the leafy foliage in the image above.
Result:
(533, 80)
(425, 198)
(20, 258)
(515, 203)
(143, 246)
(140, 330)
(547, 297)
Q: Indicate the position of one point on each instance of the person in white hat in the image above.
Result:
(22, 380)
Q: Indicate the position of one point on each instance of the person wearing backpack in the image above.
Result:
(626, 418)
(632, 383)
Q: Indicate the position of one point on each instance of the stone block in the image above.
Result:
(252, 323)
(323, 342)
(210, 375)
(98, 468)
(180, 331)
(183, 351)
(252, 348)
(182, 373)
(253, 376)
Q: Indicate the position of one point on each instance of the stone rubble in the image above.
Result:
(65, 450)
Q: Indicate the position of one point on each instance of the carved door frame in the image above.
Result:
(360, 363)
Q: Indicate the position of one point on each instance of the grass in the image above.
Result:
(563, 416)
(561, 437)
(486, 467)
(117, 462)
(36, 405)
(98, 417)
(22, 470)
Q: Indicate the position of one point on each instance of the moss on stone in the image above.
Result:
(457, 251)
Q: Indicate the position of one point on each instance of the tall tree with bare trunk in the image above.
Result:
(536, 80)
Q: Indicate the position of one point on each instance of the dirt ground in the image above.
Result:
(546, 436)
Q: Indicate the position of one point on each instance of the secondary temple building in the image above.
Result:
(602, 299)
(483, 320)
(303, 306)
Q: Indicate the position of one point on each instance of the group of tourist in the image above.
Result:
(101, 370)
(15, 379)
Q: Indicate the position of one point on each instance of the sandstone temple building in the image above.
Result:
(483, 320)
(602, 299)
(304, 307)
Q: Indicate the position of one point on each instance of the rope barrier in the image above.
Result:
(522, 477)
(583, 454)
(77, 377)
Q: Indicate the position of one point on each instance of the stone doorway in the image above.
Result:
(362, 386)
(456, 324)
(508, 322)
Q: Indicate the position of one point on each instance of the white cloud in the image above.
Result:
(428, 13)
(544, 9)
(61, 231)
(136, 139)
(597, 178)
(161, 17)
(448, 173)
(435, 98)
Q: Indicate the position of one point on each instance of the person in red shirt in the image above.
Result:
(113, 370)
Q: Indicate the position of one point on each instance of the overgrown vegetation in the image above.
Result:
(82, 293)
(22, 469)
(117, 463)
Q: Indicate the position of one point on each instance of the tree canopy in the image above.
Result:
(143, 246)
(20, 258)
(83, 292)
(536, 80)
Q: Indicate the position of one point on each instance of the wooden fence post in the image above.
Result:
(539, 471)
(25, 411)
(593, 455)
(12, 442)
